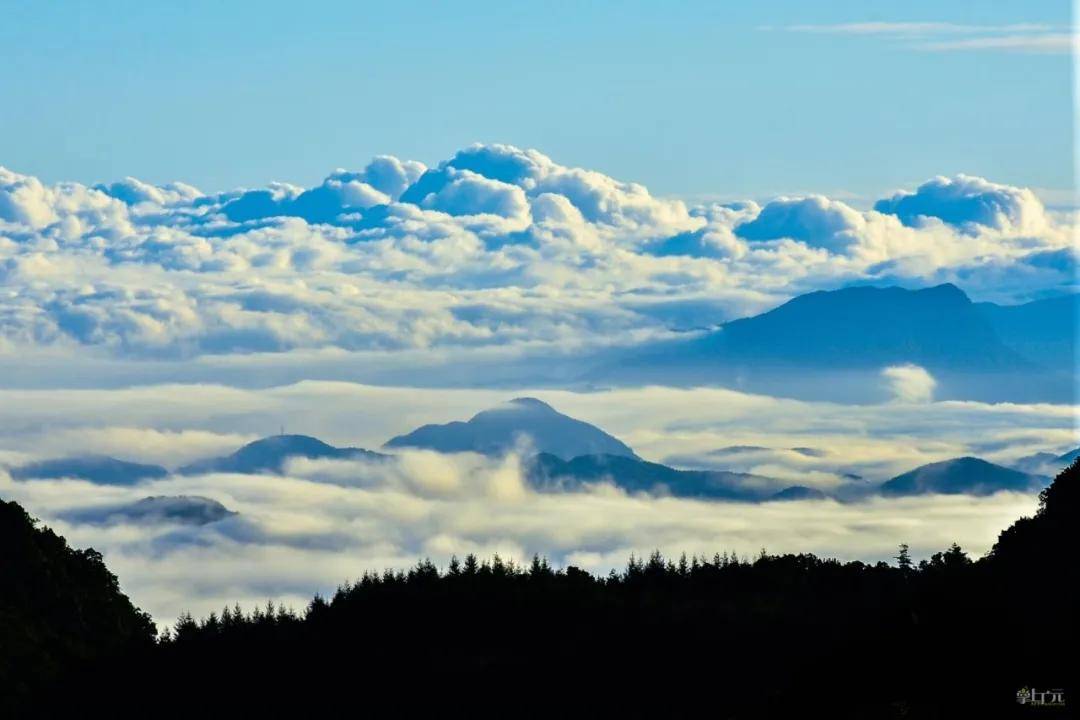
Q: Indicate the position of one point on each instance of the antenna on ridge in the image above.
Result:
(282, 429)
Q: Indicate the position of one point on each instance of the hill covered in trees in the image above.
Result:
(770, 636)
(61, 613)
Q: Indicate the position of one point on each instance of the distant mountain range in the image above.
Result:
(504, 428)
(563, 454)
(979, 351)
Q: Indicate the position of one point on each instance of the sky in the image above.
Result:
(695, 99)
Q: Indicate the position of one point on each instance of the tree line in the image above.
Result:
(769, 636)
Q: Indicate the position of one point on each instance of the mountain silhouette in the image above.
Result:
(504, 428)
(966, 475)
(93, 468)
(62, 614)
(183, 509)
(938, 328)
(271, 453)
(833, 345)
(547, 471)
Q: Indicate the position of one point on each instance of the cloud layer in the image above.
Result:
(496, 247)
(322, 522)
(326, 522)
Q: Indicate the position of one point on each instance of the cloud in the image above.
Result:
(172, 424)
(916, 28)
(341, 193)
(64, 212)
(325, 521)
(297, 535)
(496, 247)
(945, 36)
(910, 383)
(966, 202)
(135, 192)
(816, 221)
(467, 193)
(1053, 43)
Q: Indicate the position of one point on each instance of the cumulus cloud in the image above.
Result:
(910, 383)
(966, 202)
(135, 192)
(816, 221)
(496, 247)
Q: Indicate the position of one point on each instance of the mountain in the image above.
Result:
(183, 509)
(832, 345)
(1044, 330)
(271, 453)
(549, 472)
(938, 328)
(799, 492)
(501, 429)
(93, 468)
(961, 475)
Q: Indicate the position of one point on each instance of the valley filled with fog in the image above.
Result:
(314, 523)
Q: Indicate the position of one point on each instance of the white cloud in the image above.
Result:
(497, 247)
(910, 383)
(965, 201)
(326, 521)
(297, 535)
(945, 36)
(815, 220)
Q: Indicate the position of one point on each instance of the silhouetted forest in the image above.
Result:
(727, 637)
(61, 612)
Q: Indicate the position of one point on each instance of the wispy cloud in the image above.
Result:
(945, 36)
(1038, 43)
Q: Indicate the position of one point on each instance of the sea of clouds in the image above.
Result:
(322, 522)
(162, 324)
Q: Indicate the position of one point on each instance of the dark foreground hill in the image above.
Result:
(774, 636)
(61, 613)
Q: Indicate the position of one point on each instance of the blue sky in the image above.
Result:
(690, 98)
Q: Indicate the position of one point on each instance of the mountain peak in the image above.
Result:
(531, 403)
(937, 327)
(269, 454)
(504, 428)
(967, 474)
